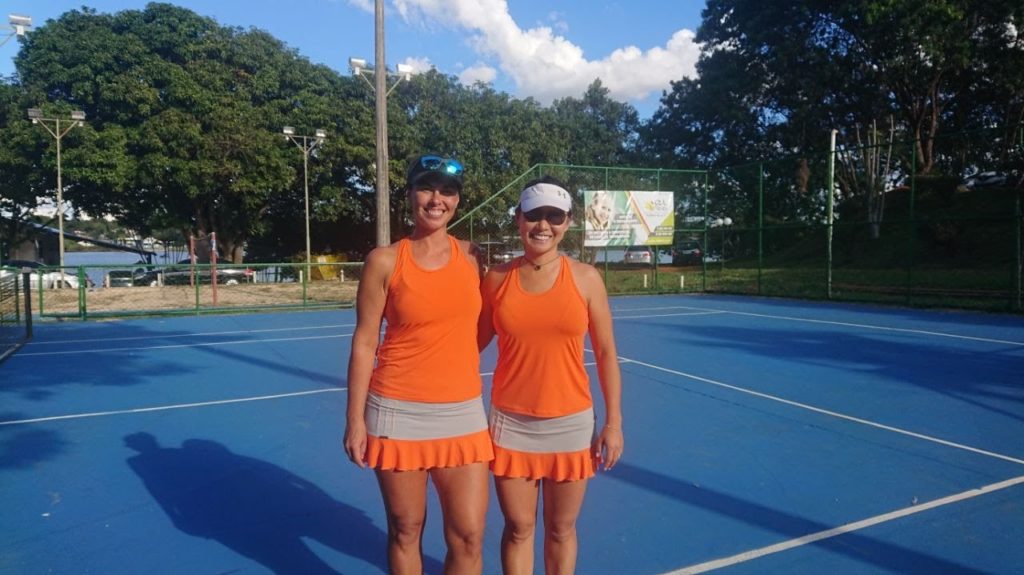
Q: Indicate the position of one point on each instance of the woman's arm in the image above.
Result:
(609, 445)
(488, 288)
(370, 300)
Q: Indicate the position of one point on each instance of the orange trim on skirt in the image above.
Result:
(562, 466)
(414, 454)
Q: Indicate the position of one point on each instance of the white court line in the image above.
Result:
(185, 405)
(669, 314)
(842, 529)
(168, 407)
(828, 322)
(179, 346)
(199, 334)
(831, 413)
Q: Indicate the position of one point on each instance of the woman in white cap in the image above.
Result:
(418, 412)
(541, 306)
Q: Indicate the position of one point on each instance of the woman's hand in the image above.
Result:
(608, 447)
(355, 443)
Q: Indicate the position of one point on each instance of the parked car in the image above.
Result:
(687, 253)
(182, 274)
(139, 276)
(50, 277)
(642, 255)
(496, 252)
(982, 180)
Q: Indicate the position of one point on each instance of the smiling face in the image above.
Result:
(433, 205)
(545, 232)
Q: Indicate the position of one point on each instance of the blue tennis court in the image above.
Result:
(762, 436)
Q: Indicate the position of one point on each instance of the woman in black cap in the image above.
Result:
(418, 413)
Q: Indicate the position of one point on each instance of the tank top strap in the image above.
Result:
(511, 278)
(400, 260)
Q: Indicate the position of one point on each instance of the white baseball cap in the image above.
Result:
(539, 195)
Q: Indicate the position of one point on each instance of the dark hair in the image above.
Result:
(546, 180)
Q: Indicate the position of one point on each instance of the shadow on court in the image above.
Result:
(23, 448)
(254, 508)
(886, 556)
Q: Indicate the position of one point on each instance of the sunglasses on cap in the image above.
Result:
(443, 165)
(553, 216)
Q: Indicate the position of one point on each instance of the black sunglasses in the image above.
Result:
(443, 190)
(443, 165)
(554, 217)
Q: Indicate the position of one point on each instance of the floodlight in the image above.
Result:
(78, 115)
(320, 135)
(288, 131)
(17, 20)
(406, 71)
(357, 65)
(35, 113)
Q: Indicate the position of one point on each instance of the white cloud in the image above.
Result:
(546, 65)
(419, 65)
(557, 20)
(364, 5)
(478, 73)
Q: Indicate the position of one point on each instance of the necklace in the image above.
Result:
(537, 266)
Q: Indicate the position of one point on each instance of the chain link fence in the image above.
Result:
(931, 225)
(15, 319)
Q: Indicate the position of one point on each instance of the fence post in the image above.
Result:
(82, 289)
(1018, 216)
(911, 244)
(760, 224)
(704, 248)
(27, 283)
(829, 221)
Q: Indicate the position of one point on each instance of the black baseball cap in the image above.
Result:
(434, 170)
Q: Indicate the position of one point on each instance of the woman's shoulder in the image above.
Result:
(496, 275)
(586, 276)
(383, 256)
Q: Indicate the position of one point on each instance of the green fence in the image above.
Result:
(899, 228)
(15, 321)
(121, 291)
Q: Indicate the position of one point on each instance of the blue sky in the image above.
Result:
(544, 49)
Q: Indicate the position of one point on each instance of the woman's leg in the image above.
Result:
(518, 499)
(405, 502)
(463, 494)
(562, 503)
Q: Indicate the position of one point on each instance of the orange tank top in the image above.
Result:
(540, 347)
(429, 351)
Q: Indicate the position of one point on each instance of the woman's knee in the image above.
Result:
(560, 531)
(520, 530)
(405, 530)
(466, 539)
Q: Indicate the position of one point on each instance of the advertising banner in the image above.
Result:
(616, 218)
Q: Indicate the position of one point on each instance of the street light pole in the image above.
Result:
(381, 102)
(306, 144)
(77, 119)
(381, 93)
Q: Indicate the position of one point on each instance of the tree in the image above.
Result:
(184, 113)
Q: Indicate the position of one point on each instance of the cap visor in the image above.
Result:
(435, 179)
